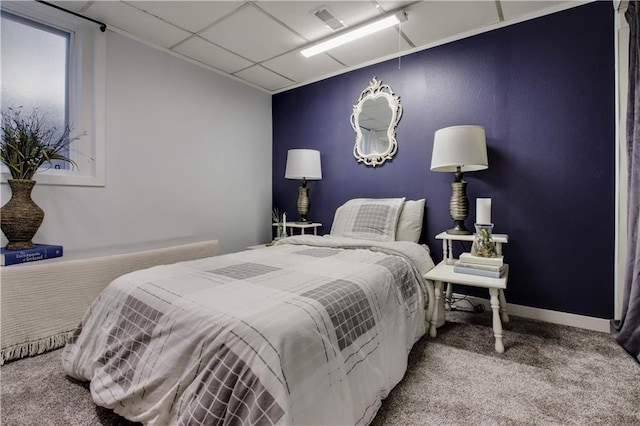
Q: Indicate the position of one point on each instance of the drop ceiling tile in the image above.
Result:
(516, 9)
(384, 43)
(298, 68)
(207, 53)
(299, 15)
(265, 30)
(190, 15)
(431, 21)
(253, 35)
(263, 78)
(136, 22)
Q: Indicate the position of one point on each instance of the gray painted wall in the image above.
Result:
(188, 153)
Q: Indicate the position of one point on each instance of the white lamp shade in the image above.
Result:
(303, 164)
(459, 146)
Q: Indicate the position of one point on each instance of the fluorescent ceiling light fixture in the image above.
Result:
(363, 31)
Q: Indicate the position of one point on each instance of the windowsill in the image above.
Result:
(62, 178)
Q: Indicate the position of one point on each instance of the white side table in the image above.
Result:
(443, 272)
(302, 226)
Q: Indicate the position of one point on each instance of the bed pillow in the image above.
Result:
(368, 218)
(410, 221)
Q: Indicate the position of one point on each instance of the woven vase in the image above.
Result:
(20, 218)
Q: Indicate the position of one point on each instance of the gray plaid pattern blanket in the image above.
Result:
(310, 331)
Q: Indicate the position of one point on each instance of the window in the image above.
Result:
(34, 74)
(54, 61)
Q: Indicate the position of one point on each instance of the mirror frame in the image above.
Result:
(374, 91)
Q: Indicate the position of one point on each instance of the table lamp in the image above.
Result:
(303, 164)
(459, 149)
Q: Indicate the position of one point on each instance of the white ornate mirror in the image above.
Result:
(374, 119)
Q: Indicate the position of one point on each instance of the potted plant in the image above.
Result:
(28, 144)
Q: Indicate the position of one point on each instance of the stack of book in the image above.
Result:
(493, 267)
(39, 252)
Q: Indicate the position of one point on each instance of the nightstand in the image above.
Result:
(443, 272)
(302, 226)
(447, 249)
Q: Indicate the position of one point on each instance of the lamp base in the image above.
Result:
(459, 228)
(459, 205)
(303, 202)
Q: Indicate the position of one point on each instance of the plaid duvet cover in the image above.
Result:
(314, 330)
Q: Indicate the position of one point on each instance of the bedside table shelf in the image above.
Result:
(448, 239)
(301, 226)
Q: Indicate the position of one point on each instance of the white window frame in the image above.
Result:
(86, 102)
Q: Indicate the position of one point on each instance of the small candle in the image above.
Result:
(284, 225)
(483, 211)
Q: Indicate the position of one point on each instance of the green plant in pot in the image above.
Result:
(28, 145)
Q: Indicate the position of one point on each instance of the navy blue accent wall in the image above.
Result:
(544, 91)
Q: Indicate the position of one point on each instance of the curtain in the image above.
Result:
(366, 141)
(626, 331)
(373, 142)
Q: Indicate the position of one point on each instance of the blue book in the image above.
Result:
(39, 252)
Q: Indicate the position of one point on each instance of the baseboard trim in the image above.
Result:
(555, 317)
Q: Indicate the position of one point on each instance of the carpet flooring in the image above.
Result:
(549, 375)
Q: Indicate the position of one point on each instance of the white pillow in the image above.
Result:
(368, 218)
(410, 222)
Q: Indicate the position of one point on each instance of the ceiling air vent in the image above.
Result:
(331, 21)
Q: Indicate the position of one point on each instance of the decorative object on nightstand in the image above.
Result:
(483, 244)
(459, 149)
(303, 164)
(279, 220)
(284, 225)
(468, 263)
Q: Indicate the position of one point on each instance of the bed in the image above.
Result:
(313, 330)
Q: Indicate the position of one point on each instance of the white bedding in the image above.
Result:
(315, 330)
